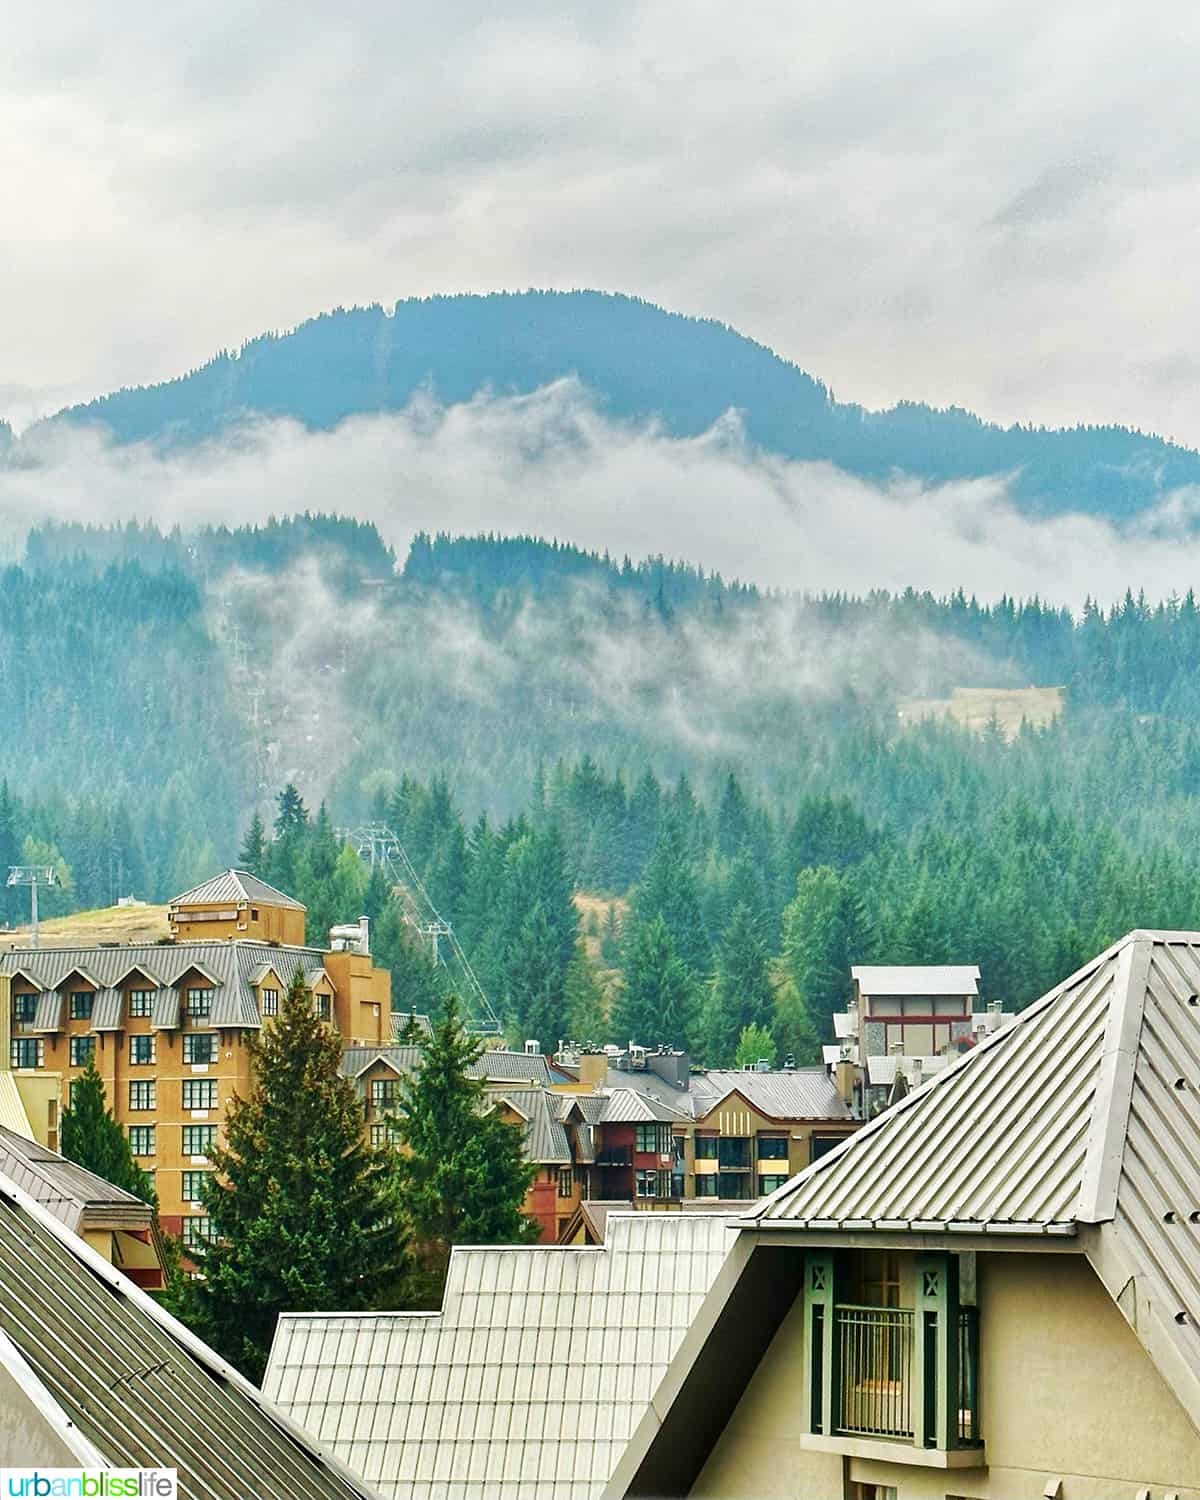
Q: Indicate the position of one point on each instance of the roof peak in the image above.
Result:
(234, 885)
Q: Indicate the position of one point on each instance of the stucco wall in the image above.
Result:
(1066, 1392)
(26, 1437)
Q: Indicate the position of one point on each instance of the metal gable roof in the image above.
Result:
(546, 1139)
(999, 1138)
(227, 966)
(908, 979)
(784, 1094)
(239, 887)
(529, 1381)
(121, 1378)
(69, 1191)
(628, 1106)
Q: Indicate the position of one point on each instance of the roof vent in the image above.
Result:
(1181, 1083)
(1181, 1316)
(531, 1047)
(763, 1065)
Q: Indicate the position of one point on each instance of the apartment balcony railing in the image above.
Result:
(874, 1353)
(968, 1376)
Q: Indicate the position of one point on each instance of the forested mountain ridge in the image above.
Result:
(534, 719)
(642, 364)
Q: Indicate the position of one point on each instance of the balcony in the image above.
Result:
(874, 1353)
(893, 1383)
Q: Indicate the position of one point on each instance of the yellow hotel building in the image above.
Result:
(168, 1023)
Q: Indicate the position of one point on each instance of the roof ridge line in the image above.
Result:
(1097, 1200)
(938, 1080)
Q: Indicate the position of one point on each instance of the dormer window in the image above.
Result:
(321, 1006)
(141, 1004)
(199, 1004)
(269, 1002)
(82, 1004)
(24, 1009)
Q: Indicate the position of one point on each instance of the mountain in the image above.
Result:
(642, 363)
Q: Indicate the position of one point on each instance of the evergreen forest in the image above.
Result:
(653, 803)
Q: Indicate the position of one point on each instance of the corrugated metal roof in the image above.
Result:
(627, 1106)
(529, 1382)
(228, 966)
(844, 1024)
(905, 979)
(237, 887)
(400, 1020)
(131, 1383)
(546, 1139)
(71, 1193)
(999, 1138)
(493, 1066)
(106, 1016)
(784, 1094)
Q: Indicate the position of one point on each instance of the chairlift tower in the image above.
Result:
(33, 876)
(380, 847)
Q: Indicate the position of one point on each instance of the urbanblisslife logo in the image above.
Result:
(89, 1484)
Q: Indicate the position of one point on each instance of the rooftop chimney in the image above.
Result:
(531, 1047)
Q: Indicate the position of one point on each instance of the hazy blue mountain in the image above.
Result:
(641, 362)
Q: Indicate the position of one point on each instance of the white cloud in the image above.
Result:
(551, 464)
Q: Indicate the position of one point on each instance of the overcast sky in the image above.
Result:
(993, 205)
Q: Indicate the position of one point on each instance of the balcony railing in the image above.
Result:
(874, 1361)
(968, 1376)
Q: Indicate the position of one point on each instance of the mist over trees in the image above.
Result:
(725, 769)
(644, 364)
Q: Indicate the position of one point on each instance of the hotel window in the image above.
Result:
(772, 1148)
(199, 1093)
(566, 1182)
(142, 1094)
(24, 1008)
(82, 1002)
(198, 1139)
(141, 1004)
(321, 1006)
(199, 1047)
(199, 1004)
(270, 1002)
(706, 1148)
(141, 1140)
(769, 1184)
(141, 1050)
(83, 1049)
(385, 1133)
(27, 1052)
(193, 1186)
(656, 1138)
(196, 1230)
(383, 1093)
(706, 1186)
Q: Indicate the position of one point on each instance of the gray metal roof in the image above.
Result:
(401, 1018)
(75, 1196)
(626, 1105)
(999, 1138)
(493, 1065)
(229, 966)
(124, 1383)
(784, 1093)
(546, 1138)
(908, 979)
(528, 1383)
(881, 1071)
(236, 887)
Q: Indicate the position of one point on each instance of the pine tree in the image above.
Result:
(461, 1171)
(304, 1214)
(657, 1001)
(535, 996)
(825, 932)
(584, 999)
(741, 993)
(252, 857)
(669, 890)
(92, 1137)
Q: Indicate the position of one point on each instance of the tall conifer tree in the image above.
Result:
(304, 1214)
